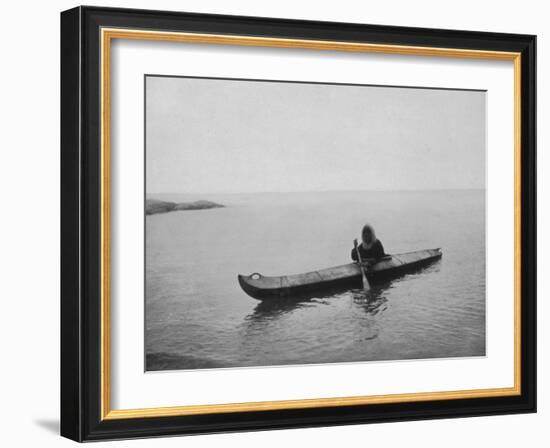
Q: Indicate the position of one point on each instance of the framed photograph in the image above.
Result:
(273, 223)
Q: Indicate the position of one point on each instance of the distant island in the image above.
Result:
(154, 206)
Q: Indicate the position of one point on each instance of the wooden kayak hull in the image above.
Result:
(262, 287)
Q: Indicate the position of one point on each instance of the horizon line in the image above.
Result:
(316, 191)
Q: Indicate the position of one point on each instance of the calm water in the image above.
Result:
(197, 316)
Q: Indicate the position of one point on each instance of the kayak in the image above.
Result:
(262, 287)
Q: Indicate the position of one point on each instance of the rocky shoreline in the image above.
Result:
(155, 206)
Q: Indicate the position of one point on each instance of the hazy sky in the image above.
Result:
(221, 136)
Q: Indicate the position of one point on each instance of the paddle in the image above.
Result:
(366, 285)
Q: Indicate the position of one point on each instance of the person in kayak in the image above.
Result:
(371, 248)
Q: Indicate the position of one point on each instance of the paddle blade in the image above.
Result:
(366, 284)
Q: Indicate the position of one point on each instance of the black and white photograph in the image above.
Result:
(296, 223)
(274, 219)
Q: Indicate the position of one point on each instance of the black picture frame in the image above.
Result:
(81, 224)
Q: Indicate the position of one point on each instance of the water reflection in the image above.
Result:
(371, 302)
(269, 309)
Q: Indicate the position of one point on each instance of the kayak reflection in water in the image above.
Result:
(371, 248)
